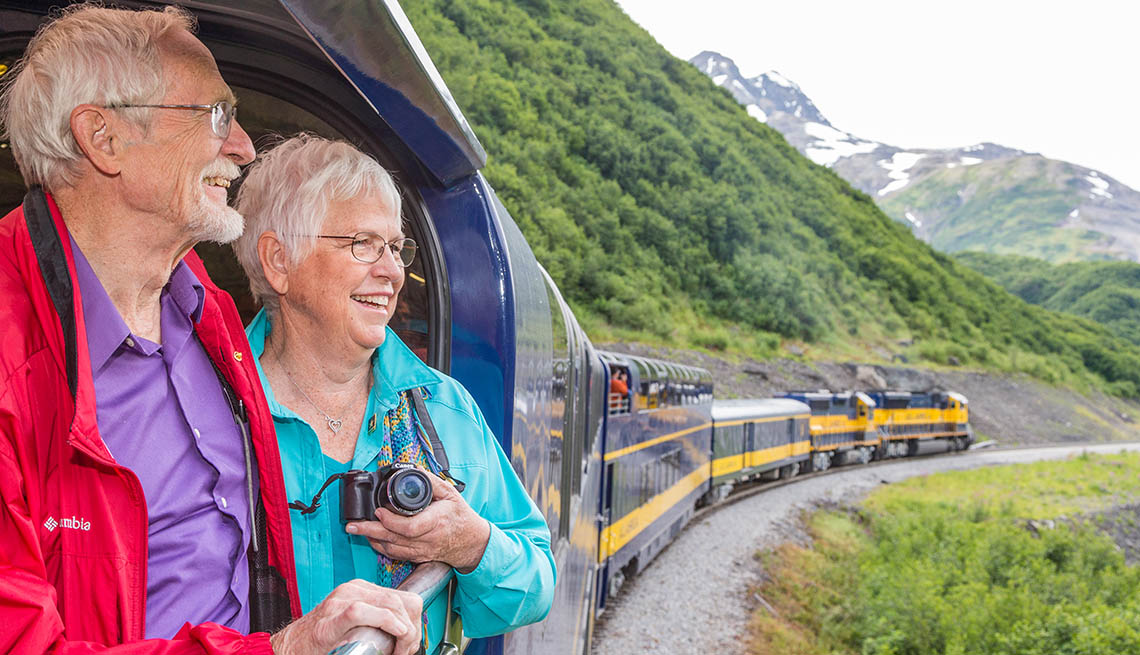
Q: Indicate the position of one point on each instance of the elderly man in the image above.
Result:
(140, 486)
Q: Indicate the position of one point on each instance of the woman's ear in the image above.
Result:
(274, 262)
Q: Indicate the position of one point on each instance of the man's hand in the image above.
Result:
(353, 604)
(448, 531)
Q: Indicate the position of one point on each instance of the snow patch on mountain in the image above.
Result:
(1099, 186)
(897, 167)
(779, 79)
(757, 113)
(832, 144)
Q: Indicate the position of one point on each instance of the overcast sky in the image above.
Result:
(1058, 78)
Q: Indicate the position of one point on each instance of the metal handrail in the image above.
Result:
(427, 580)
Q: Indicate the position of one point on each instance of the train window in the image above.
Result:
(561, 419)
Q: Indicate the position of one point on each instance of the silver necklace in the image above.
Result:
(334, 423)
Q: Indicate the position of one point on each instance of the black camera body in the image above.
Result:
(400, 487)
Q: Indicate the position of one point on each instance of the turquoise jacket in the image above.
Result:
(513, 584)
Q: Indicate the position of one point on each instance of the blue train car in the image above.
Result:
(656, 455)
(476, 304)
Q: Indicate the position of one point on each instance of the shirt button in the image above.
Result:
(130, 342)
(222, 500)
(197, 434)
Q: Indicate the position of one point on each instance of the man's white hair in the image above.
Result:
(288, 191)
(88, 54)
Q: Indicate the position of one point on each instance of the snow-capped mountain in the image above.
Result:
(762, 95)
(978, 197)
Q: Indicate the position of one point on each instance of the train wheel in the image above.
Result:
(616, 581)
(911, 447)
(822, 461)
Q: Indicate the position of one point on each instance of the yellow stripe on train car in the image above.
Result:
(768, 455)
(726, 465)
(622, 531)
(653, 442)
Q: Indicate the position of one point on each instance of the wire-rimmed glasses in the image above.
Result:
(368, 247)
(221, 114)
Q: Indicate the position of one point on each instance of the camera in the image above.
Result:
(400, 487)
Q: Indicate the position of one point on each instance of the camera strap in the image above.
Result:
(316, 502)
(437, 449)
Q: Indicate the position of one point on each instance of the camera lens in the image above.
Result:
(411, 490)
(407, 491)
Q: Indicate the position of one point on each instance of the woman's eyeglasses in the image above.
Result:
(368, 247)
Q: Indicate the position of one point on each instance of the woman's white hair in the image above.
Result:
(89, 54)
(288, 190)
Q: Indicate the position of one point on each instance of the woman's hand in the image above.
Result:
(448, 531)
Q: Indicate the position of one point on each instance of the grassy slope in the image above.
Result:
(1106, 292)
(664, 212)
(947, 564)
(1009, 206)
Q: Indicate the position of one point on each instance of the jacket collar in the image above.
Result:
(395, 368)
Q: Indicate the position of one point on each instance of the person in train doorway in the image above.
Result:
(617, 384)
(142, 503)
(325, 252)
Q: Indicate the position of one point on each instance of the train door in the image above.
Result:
(752, 443)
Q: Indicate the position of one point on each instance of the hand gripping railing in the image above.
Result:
(427, 580)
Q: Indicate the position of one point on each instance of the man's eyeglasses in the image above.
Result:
(221, 114)
(369, 248)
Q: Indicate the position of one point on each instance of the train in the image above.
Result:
(616, 478)
(670, 447)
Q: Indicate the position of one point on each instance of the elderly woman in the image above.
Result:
(325, 252)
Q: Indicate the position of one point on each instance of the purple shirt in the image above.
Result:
(162, 413)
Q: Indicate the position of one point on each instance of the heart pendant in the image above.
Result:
(334, 425)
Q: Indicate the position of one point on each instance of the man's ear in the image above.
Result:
(274, 261)
(94, 130)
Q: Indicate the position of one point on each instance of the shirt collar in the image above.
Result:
(187, 291)
(395, 368)
(106, 329)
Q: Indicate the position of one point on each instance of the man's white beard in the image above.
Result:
(216, 224)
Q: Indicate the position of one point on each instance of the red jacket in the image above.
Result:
(73, 523)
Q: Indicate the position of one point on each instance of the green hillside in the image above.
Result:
(662, 209)
(1106, 292)
(1006, 206)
